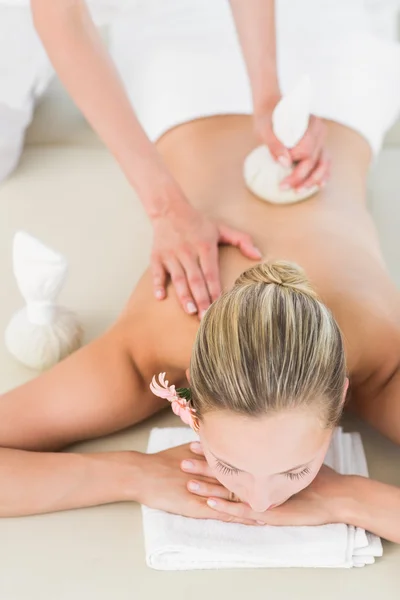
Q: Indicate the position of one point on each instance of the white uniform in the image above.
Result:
(25, 72)
(180, 60)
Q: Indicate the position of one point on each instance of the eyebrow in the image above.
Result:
(241, 470)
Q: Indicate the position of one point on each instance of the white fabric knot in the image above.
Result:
(42, 333)
(40, 274)
(262, 173)
(292, 113)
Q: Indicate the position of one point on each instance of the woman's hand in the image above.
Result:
(309, 156)
(185, 247)
(165, 486)
(317, 504)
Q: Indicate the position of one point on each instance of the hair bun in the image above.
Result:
(281, 273)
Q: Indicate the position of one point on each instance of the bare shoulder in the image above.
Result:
(159, 334)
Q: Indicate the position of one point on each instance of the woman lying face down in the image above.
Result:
(268, 383)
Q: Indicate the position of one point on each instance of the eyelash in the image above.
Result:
(302, 473)
(227, 471)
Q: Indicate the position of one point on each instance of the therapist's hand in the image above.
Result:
(309, 158)
(185, 248)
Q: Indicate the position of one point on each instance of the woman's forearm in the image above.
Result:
(255, 24)
(372, 505)
(84, 66)
(38, 482)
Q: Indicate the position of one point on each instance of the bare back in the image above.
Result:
(331, 236)
(104, 387)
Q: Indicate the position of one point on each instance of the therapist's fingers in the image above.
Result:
(264, 130)
(312, 141)
(209, 265)
(197, 277)
(181, 285)
(278, 151)
(159, 277)
(321, 173)
(306, 156)
(243, 241)
(300, 174)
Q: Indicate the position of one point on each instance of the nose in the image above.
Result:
(260, 507)
(259, 500)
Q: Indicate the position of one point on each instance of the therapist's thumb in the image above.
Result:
(241, 240)
(278, 151)
(267, 136)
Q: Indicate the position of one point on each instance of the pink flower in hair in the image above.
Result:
(163, 389)
(179, 399)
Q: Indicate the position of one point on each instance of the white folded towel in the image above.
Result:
(175, 543)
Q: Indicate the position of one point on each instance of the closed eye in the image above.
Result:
(226, 470)
(299, 475)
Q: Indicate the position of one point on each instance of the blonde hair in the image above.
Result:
(267, 345)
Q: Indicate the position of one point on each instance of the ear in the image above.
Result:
(345, 389)
(187, 375)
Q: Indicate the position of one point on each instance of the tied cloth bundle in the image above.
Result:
(262, 174)
(42, 333)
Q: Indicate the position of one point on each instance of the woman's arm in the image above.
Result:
(372, 505)
(330, 498)
(335, 498)
(39, 482)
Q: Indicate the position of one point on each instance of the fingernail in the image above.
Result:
(301, 190)
(159, 294)
(258, 252)
(191, 308)
(195, 446)
(261, 522)
(284, 186)
(186, 464)
(211, 503)
(202, 313)
(193, 486)
(284, 161)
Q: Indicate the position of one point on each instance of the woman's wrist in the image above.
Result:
(349, 505)
(117, 475)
